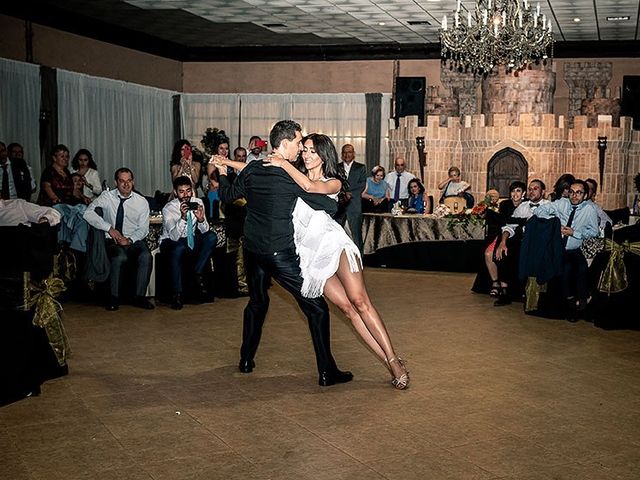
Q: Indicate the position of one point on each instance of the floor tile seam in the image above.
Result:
(568, 460)
(328, 442)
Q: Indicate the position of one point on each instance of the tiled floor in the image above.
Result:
(495, 394)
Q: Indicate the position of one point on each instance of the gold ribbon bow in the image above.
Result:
(614, 277)
(47, 314)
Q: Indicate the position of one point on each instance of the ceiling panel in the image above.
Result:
(190, 27)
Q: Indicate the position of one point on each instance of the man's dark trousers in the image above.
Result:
(284, 267)
(121, 255)
(202, 249)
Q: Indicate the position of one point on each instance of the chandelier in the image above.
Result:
(498, 32)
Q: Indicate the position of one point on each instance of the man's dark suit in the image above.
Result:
(270, 253)
(353, 211)
(21, 178)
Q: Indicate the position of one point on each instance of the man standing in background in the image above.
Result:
(356, 175)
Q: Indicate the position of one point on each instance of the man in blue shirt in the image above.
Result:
(579, 221)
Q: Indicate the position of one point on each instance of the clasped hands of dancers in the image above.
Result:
(307, 253)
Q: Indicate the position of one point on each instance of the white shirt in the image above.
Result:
(524, 210)
(251, 157)
(405, 178)
(174, 227)
(93, 178)
(12, 187)
(347, 168)
(136, 214)
(18, 211)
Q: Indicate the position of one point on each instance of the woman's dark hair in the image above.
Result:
(326, 150)
(176, 154)
(75, 162)
(417, 182)
(517, 184)
(563, 183)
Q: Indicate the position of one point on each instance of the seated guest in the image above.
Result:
(376, 192)
(184, 164)
(56, 185)
(398, 182)
(15, 176)
(125, 221)
(186, 230)
(16, 151)
(579, 222)
(84, 165)
(256, 149)
(495, 222)
(453, 186)
(418, 199)
(20, 212)
(603, 218)
(78, 190)
(508, 247)
(561, 187)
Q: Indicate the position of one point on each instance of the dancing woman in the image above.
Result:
(329, 260)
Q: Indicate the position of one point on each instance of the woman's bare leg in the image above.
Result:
(353, 283)
(334, 292)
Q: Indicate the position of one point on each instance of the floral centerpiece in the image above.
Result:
(470, 216)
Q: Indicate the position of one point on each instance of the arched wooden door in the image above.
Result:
(506, 166)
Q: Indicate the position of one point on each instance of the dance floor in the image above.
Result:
(494, 394)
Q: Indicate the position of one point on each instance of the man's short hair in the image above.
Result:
(283, 129)
(237, 149)
(122, 170)
(539, 182)
(181, 180)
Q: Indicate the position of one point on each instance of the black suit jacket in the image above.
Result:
(21, 178)
(271, 197)
(357, 180)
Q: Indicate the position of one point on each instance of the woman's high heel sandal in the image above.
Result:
(401, 382)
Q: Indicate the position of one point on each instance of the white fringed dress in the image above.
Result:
(320, 241)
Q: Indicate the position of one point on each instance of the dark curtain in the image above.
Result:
(48, 114)
(177, 124)
(374, 118)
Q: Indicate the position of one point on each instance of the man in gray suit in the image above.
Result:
(356, 175)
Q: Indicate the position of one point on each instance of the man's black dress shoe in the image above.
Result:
(246, 366)
(177, 302)
(337, 376)
(113, 304)
(144, 303)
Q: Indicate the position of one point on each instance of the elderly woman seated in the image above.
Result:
(376, 193)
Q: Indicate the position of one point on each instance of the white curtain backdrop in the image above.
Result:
(202, 111)
(122, 124)
(340, 116)
(258, 113)
(20, 110)
(384, 129)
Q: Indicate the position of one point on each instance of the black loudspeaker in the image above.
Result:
(410, 93)
(631, 99)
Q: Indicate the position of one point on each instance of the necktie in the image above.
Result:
(190, 230)
(5, 182)
(396, 192)
(569, 222)
(120, 215)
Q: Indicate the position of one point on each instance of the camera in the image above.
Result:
(192, 205)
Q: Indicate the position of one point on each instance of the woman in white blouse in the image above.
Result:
(84, 165)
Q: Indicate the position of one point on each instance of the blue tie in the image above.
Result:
(396, 192)
(120, 214)
(190, 242)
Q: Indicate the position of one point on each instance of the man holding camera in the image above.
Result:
(186, 230)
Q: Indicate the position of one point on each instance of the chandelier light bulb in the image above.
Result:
(497, 33)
